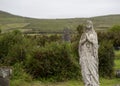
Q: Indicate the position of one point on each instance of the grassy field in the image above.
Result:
(100, 22)
(103, 82)
(117, 64)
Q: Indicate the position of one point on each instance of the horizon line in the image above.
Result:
(111, 14)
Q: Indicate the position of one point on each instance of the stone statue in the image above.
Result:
(88, 52)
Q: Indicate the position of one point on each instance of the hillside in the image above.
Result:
(10, 22)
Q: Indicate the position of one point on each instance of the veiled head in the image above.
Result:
(89, 24)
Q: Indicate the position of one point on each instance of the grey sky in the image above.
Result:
(60, 8)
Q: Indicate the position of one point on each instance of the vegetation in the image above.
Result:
(117, 54)
(28, 24)
(106, 59)
(42, 60)
(115, 28)
(49, 60)
(103, 82)
(54, 62)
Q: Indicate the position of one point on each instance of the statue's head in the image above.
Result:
(89, 24)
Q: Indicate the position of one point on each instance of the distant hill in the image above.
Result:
(10, 22)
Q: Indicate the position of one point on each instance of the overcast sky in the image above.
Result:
(60, 8)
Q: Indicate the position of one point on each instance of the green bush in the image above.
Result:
(14, 47)
(19, 73)
(106, 59)
(75, 41)
(7, 40)
(115, 28)
(47, 59)
(80, 29)
(105, 36)
(116, 40)
(75, 50)
(43, 39)
(113, 36)
(54, 62)
(19, 76)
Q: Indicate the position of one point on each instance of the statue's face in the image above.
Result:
(88, 25)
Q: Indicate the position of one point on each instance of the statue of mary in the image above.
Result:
(88, 52)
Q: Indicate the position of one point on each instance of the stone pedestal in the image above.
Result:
(4, 81)
(5, 73)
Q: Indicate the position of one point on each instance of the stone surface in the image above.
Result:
(4, 82)
(118, 73)
(5, 73)
(66, 34)
(88, 52)
(117, 85)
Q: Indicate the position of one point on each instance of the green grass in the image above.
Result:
(12, 26)
(100, 22)
(103, 82)
(117, 64)
(117, 60)
(109, 82)
(117, 54)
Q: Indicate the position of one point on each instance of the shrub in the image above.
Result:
(105, 36)
(19, 72)
(19, 76)
(115, 28)
(19, 52)
(113, 36)
(75, 41)
(80, 30)
(106, 59)
(115, 32)
(75, 50)
(14, 47)
(43, 39)
(116, 40)
(54, 61)
(7, 41)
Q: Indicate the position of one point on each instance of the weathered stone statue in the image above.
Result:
(88, 52)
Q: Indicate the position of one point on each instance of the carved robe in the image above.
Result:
(88, 52)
